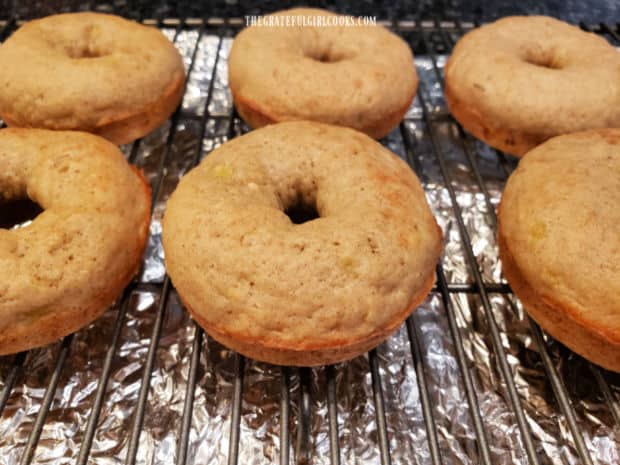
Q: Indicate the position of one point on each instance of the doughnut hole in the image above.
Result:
(18, 213)
(87, 47)
(326, 51)
(543, 58)
(86, 42)
(85, 50)
(326, 55)
(299, 200)
(301, 211)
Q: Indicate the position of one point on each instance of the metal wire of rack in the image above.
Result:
(429, 38)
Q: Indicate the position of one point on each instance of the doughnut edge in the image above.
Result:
(559, 321)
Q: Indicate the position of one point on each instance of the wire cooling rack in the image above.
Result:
(467, 379)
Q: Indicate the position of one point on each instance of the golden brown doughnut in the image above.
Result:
(360, 77)
(90, 72)
(317, 292)
(521, 80)
(64, 269)
(559, 240)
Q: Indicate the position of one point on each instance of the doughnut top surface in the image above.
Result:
(84, 70)
(560, 222)
(63, 269)
(307, 293)
(360, 77)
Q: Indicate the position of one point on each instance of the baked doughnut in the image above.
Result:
(559, 241)
(360, 77)
(64, 269)
(90, 72)
(521, 80)
(316, 292)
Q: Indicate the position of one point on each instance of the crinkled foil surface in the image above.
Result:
(205, 121)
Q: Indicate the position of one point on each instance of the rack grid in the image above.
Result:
(192, 132)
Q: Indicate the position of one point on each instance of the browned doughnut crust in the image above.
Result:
(318, 292)
(257, 118)
(507, 140)
(135, 126)
(320, 352)
(103, 74)
(359, 77)
(39, 162)
(598, 345)
(518, 81)
(559, 243)
(129, 127)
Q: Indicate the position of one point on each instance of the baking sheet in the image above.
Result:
(175, 149)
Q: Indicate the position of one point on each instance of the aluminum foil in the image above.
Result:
(205, 121)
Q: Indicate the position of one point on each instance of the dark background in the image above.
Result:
(574, 11)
